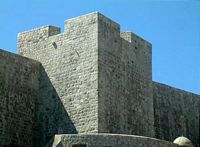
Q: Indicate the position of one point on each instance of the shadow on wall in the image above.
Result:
(51, 116)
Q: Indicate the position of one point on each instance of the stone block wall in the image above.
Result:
(19, 85)
(69, 76)
(92, 68)
(95, 78)
(27, 41)
(176, 113)
(124, 80)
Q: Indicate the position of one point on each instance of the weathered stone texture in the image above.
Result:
(124, 81)
(176, 113)
(106, 140)
(19, 86)
(92, 69)
(92, 78)
(70, 61)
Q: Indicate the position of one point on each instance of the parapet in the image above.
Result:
(36, 35)
(44, 31)
(71, 24)
(134, 39)
(78, 25)
(90, 18)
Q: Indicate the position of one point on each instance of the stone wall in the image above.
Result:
(106, 140)
(125, 96)
(97, 79)
(69, 77)
(176, 113)
(18, 97)
(92, 69)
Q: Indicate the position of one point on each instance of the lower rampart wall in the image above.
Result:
(18, 93)
(176, 113)
(106, 140)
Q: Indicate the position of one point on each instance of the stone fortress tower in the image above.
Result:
(89, 86)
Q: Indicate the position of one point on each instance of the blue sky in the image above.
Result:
(173, 27)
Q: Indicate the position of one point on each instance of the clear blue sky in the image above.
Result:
(173, 27)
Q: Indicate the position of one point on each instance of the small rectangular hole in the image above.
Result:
(79, 145)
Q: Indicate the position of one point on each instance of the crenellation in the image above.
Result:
(72, 24)
(44, 31)
(142, 50)
(103, 20)
(29, 38)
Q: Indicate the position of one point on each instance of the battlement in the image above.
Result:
(45, 31)
(36, 35)
(95, 24)
(74, 27)
(48, 30)
(94, 17)
(131, 37)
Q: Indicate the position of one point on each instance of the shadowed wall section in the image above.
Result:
(19, 85)
(51, 116)
(31, 112)
(70, 61)
(176, 113)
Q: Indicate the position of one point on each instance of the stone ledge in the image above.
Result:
(106, 140)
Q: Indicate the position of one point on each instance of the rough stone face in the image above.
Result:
(124, 81)
(69, 77)
(19, 86)
(102, 79)
(176, 113)
(107, 140)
